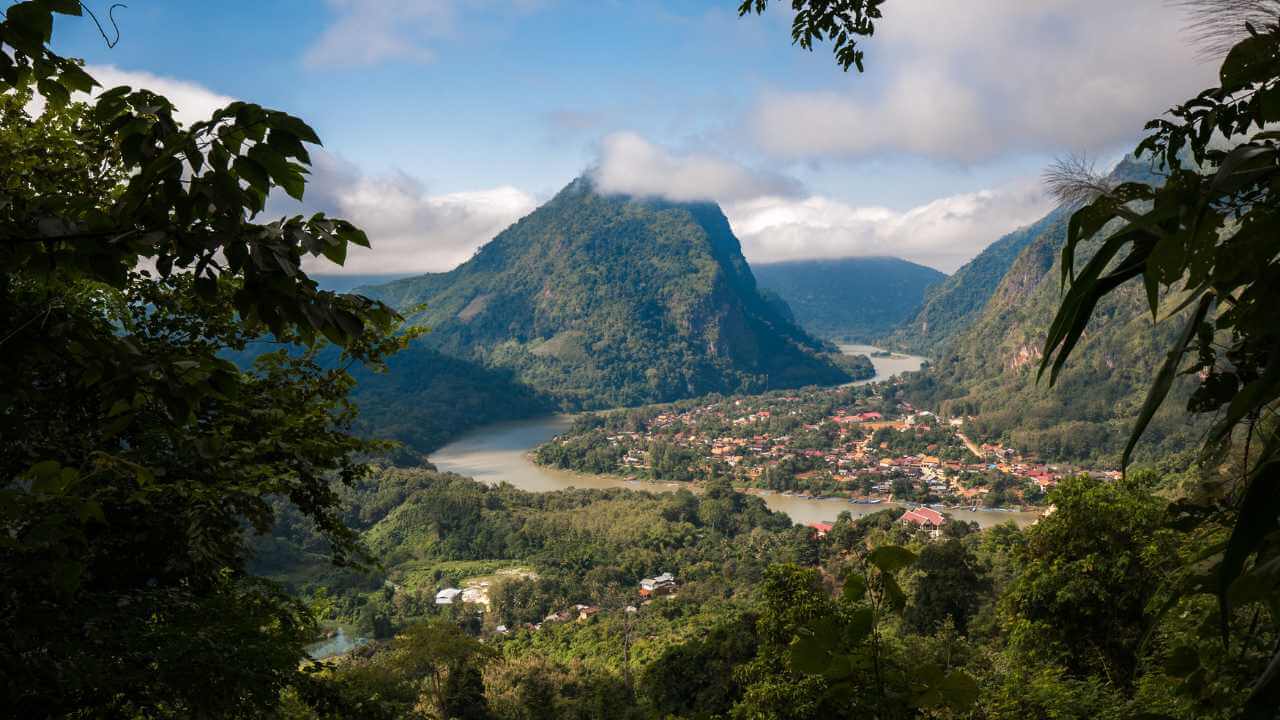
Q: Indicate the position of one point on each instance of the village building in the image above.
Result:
(821, 528)
(664, 584)
(925, 518)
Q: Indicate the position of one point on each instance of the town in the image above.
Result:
(858, 443)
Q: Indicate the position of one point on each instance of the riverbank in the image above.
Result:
(501, 453)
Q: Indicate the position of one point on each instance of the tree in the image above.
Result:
(841, 22)
(135, 456)
(1205, 247)
(1088, 572)
(951, 585)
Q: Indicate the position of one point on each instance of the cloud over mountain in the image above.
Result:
(942, 234)
(632, 165)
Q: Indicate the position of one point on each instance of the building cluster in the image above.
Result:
(759, 439)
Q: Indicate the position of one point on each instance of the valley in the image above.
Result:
(617, 361)
(502, 453)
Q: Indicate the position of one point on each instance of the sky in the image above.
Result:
(444, 121)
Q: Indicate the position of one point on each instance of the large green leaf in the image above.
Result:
(1163, 381)
(891, 558)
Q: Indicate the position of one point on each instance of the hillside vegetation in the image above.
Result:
(849, 299)
(988, 367)
(599, 301)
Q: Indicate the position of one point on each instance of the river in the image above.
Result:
(500, 453)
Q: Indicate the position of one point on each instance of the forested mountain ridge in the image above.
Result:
(603, 300)
(958, 301)
(853, 299)
(988, 369)
(955, 302)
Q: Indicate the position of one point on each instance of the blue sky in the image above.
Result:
(445, 120)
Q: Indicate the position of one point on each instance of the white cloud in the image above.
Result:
(193, 102)
(943, 234)
(368, 32)
(632, 165)
(410, 229)
(968, 82)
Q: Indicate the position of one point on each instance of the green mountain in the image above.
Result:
(953, 304)
(850, 299)
(987, 367)
(596, 301)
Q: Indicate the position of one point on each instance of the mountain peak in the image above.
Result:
(603, 300)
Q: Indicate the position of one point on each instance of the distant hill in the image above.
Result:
(987, 365)
(347, 282)
(597, 301)
(849, 299)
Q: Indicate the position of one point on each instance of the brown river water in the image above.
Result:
(500, 453)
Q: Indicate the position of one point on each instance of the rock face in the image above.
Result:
(603, 300)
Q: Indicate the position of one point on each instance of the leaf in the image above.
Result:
(1182, 661)
(959, 690)
(54, 92)
(1250, 61)
(1242, 166)
(891, 558)
(336, 252)
(859, 625)
(65, 7)
(76, 79)
(1164, 378)
(33, 20)
(808, 656)
(855, 588)
(1258, 512)
(897, 598)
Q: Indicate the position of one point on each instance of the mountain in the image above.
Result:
(987, 366)
(596, 301)
(849, 299)
(951, 305)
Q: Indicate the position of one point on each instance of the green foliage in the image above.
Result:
(849, 299)
(1088, 572)
(839, 22)
(951, 587)
(1205, 239)
(135, 456)
(431, 670)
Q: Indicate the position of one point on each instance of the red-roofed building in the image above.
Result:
(821, 528)
(924, 517)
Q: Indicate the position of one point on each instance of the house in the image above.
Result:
(925, 518)
(821, 528)
(585, 611)
(664, 584)
(447, 596)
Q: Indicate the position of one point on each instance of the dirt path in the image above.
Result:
(969, 444)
